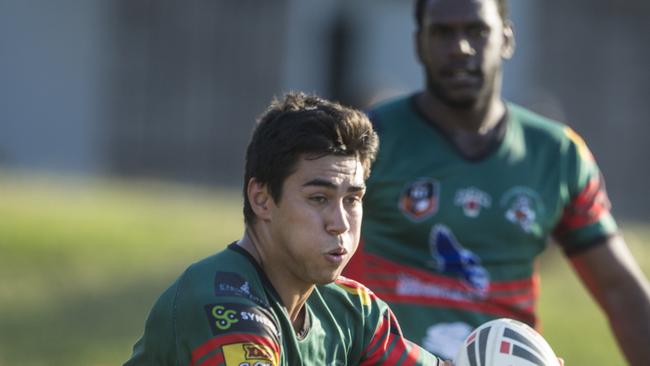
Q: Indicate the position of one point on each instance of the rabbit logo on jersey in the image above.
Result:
(420, 199)
(450, 257)
(523, 206)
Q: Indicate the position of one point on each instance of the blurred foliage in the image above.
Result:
(82, 261)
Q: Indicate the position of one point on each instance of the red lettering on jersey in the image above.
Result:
(214, 344)
(255, 351)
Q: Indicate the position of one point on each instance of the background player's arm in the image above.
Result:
(614, 279)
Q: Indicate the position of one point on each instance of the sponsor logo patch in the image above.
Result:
(472, 200)
(232, 317)
(419, 199)
(248, 354)
(233, 284)
(523, 207)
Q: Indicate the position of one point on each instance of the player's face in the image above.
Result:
(316, 223)
(461, 46)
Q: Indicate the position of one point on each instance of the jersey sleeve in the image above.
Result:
(186, 327)
(586, 217)
(389, 347)
(384, 343)
(241, 334)
(157, 344)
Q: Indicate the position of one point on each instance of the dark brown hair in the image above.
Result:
(300, 125)
(421, 4)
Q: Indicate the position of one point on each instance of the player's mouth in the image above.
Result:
(337, 255)
(461, 76)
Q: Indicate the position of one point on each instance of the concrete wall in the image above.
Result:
(171, 89)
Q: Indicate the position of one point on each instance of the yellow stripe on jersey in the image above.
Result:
(362, 292)
(583, 150)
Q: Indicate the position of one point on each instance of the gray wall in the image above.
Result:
(171, 89)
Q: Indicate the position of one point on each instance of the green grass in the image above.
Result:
(82, 260)
(572, 322)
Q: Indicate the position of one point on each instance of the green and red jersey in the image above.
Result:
(451, 242)
(224, 311)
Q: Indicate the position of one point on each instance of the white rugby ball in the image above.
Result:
(505, 342)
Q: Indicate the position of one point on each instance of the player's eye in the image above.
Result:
(352, 200)
(478, 31)
(440, 31)
(318, 199)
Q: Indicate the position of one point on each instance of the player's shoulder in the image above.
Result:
(349, 291)
(536, 122)
(227, 274)
(226, 260)
(391, 104)
(539, 127)
(393, 109)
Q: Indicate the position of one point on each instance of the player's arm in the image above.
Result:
(157, 346)
(614, 279)
(388, 347)
(185, 329)
(240, 333)
(587, 232)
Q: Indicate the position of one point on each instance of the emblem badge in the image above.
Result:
(523, 206)
(472, 200)
(420, 199)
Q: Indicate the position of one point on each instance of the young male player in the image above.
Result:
(467, 189)
(275, 296)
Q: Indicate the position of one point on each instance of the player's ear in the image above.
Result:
(259, 198)
(508, 48)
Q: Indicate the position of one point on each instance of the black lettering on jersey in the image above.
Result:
(233, 284)
(241, 318)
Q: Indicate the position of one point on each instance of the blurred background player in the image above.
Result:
(467, 190)
(275, 296)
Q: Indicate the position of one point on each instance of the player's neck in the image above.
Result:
(474, 131)
(292, 291)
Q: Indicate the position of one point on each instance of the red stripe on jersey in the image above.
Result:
(213, 360)
(216, 342)
(396, 338)
(413, 352)
(376, 266)
(524, 315)
(349, 283)
(378, 343)
(355, 267)
(508, 296)
(586, 208)
(389, 347)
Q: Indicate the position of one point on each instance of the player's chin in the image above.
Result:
(328, 276)
(459, 100)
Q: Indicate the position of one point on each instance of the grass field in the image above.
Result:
(81, 262)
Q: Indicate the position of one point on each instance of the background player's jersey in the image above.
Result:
(449, 242)
(224, 311)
